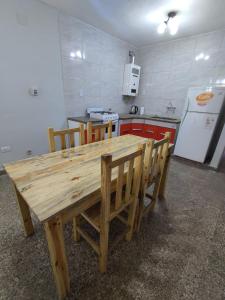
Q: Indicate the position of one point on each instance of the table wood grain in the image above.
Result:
(54, 182)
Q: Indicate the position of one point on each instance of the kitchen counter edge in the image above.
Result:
(148, 117)
(85, 119)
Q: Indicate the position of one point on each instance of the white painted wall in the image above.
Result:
(30, 55)
(96, 78)
(169, 69)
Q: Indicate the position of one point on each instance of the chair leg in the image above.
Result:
(140, 215)
(155, 194)
(104, 243)
(76, 223)
(131, 219)
(164, 179)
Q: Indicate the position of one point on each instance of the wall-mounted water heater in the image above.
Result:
(131, 77)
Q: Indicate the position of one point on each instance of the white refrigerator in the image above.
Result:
(200, 118)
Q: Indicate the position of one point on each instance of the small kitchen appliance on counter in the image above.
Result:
(134, 109)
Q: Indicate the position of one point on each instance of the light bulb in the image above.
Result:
(78, 54)
(161, 28)
(72, 54)
(173, 25)
(206, 57)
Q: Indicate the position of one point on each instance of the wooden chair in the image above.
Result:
(120, 183)
(66, 137)
(97, 132)
(154, 163)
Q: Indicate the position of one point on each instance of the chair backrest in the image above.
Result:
(122, 175)
(66, 136)
(97, 132)
(154, 161)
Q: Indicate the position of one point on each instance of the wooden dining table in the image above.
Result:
(58, 186)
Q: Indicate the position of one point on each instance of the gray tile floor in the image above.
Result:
(179, 253)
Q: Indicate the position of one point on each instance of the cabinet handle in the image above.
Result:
(149, 131)
(136, 129)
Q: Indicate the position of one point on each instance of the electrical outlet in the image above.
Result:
(5, 149)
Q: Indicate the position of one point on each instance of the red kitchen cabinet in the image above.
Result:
(125, 129)
(137, 129)
(147, 130)
(163, 130)
(85, 136)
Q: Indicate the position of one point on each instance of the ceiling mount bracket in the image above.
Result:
(172, 14)
(168, 23)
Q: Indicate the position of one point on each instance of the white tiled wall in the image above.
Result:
(96, 78)
(169, 69)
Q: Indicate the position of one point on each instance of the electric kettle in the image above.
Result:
(134, 109)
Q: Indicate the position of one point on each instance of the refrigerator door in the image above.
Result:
(195, 135)
(205, 100)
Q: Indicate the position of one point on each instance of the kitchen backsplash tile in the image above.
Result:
(94, 75)
(169, 69)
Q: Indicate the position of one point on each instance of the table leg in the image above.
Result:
(25, 214)
(164, 179)
(55, 238)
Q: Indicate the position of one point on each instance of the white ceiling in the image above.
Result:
(136, 21)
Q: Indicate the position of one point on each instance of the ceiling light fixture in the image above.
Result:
(171, 24)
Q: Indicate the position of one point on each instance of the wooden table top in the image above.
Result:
(52, 183)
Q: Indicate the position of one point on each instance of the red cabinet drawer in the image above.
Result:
(125, 129)
(137, 129)
(138, 126)
(150, 131)
(163, 130)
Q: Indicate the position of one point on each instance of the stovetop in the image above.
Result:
(102, 114)
(105, 116)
